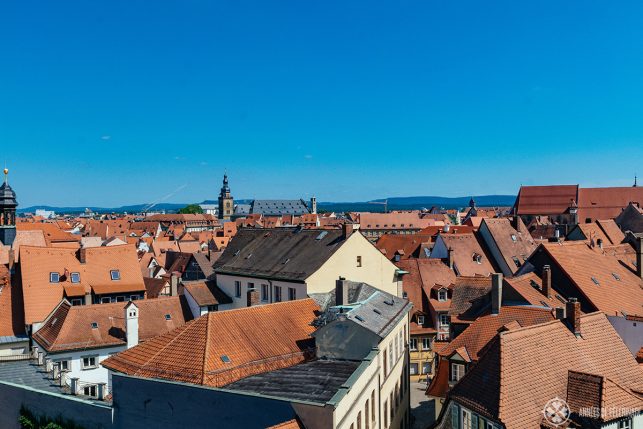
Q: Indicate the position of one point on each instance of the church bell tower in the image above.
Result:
(226, 202)
(8, 206)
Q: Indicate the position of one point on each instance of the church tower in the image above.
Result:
(226, 202)
(8, 206)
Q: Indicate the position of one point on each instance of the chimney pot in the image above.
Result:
(131, 324)
(547, 281)
(496, 293)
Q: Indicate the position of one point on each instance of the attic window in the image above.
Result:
(513, 237)
(94, 325)
(225, 359)
(616, 276)
(405, 295)
(595, 280)
(544, 304)
(442, 295)
(168, 317)
(115, 274)
(54, 277)
(477, 258)
(75, 277)
(321, 235)
(517, 261)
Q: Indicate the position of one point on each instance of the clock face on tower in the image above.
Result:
(227, 204)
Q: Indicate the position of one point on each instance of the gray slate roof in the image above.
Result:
(315, 381)
(357, 292)
(280, 253)
(279, 207)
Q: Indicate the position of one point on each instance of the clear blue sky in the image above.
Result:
(119, 102)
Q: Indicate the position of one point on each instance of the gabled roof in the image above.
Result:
(469, 298)
(224, 346)
(12, 322)
(407, 246)
(631, 219)
(423, 275)
(512, 244)
(465, 246)
(605, 230)
(545, 200)
(282, 253)
(618, 291)
(606, 203)
(206, 292)
(529, 287)
(70, 327)
(36, 264)
(524, 368)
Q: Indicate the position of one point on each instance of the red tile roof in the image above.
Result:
(545, 200)
(465, 246)
(606, 203)
(70, 327)
(224, 346)
(529, 287)
(11, 312)
(407, 246)
(206, 293)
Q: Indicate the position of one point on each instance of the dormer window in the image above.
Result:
(421, 320)
(457, 371)
(168, 317)
(54, 277)
(75, 277)
(516, 261)
(513, 237)
(442, 295)
(115, 274)
(477, 258)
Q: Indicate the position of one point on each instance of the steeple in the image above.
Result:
(472, 203)
(635, 185)
(8, 206)
(226, 202)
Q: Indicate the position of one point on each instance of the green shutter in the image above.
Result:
(455, 416)
(474, 422)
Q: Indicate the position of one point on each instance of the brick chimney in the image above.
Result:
(252, 297)
(82, 255)
(88, 298)
(174, 285)
(131, 324)
(573, 316)
(639, 257)
(341, 291)
(547, 281)
(347, 230)
(450, 257)
(496, 293)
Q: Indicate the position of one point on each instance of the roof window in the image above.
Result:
(377, 311)
(94, 325)
(75, 277)
(115, 274)
(168, 317)
(360, 318)
(321, 235)
(225, 359)
(616, 276)
(54, 277)
(595, 280)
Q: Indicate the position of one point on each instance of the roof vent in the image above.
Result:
(321, 235)
(168, 317)
(595, 280)
(225, 359)
(360, 318)
(389, 302)
(616, 276)
(377, 311)
(237, 253)
(286, 261)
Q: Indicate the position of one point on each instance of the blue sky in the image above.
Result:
(120, 102)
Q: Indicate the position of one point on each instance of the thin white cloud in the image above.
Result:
(106, 137)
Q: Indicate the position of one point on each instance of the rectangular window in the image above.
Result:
(89, 362)
(213, 307)
(359, 261)
(54, 277)
(421, 320)
(90, 390)
(251, 286)
(414, 368)
(391, 406)
(237, 289)
(120, 299)
(401, 342)
(115, 274)
(455, 417)
(442, 295)
(277, 293)
(390, 356)
(466, 419)
(625, 424)
(265, 295)
(444, 320)
(292, 294)
(359, 420)
(76, 301)
(75, 277)
(105, 300)
(457, 371)
(426, 368)
(426, 343)
(133, 297)
(413, 344)
(65, 365)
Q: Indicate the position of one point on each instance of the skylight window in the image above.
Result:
(94, 325)
(377, 311)
(168, 317)
(616, 276)
(115, 274)
(54, 277)
(75, 277)
(595, 280)
(321, 235)
(534, 284)
(360, 318)
(225, 359)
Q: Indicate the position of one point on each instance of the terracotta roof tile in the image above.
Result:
(224, 346)
(206, 293)
(11, 308)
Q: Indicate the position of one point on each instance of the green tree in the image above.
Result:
(191, 209)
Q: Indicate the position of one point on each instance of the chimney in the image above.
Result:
(347, 230)
(131, 324)
(174, 285)
(313, 205)
(341, 291)
(450, 257)
(547, 281)
(252, 297)
(573, 316)
(560, 313)
(496, 293)
(82, 255)
(446, 228)
(639, 257)
(88, 298)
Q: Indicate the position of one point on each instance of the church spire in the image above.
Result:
(8, 206)
(635, 185)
